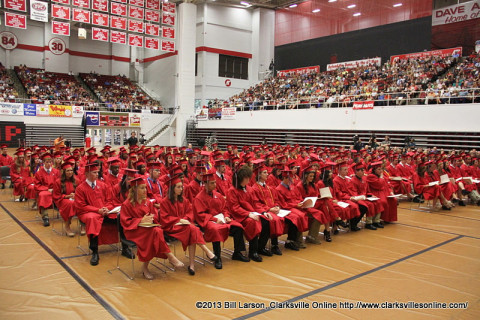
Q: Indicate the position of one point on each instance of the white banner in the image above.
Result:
(477, 46)
(456, 13)
(229, 113)
(201, 114)
(77, 111)
(42, 110)
(39, 10)
(11, 109)
(354, 64)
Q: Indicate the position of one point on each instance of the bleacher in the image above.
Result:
(8, 93)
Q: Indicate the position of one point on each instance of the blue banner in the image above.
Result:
(93, 118)
(30, 109)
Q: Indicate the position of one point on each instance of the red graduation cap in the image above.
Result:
(137, 181)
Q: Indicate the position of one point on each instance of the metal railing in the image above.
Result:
(165, 122)
(346, 101)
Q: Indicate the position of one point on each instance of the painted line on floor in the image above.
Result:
(89, 289)
(338, 283)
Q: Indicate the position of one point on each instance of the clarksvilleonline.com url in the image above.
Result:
(330, 305)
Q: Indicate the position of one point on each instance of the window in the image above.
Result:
(232, 67)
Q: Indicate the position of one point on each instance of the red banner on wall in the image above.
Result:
(168, 46)
(169, 7)
(424, 54)
(100, 5)
(81, 3)
(118, 22)
(304, 70)
(140, 3)
(118, 37)
(61, 28)
(362, 105)
(151, 15)
(15, 20)
(118, 9)
(152, 29)
(19, 5)
(99, 34)
(62, 1)
(135, 26)
(60, 12)
(136, 12)
(354, 64)
(153, 4)
(152, 43)
(168, 19)
(135, 41)
(168, 32)
(81, 15)
(100, 19)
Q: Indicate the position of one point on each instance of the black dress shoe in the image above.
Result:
(218, 263)
(335, 232)
(461, 203)
(46, 221)
(3, 185)
(446, 208)
(292, 246)
(378, 225)
(341, 223)
(370, 227)
(417, 199)
(326, 236)
(240, 257)
(191, 271)
(354, 228)
(95, 258)
(276, 250)
(265, 252)
(255, 257)
(126, 252)
(465, 192)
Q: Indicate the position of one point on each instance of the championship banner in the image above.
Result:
(168, 46)
(135, 26)
(100, 34)
(62, 1)
(118, 22)
(118, 37)
(29, 110)
(100, 19)
(152, 29)
(60, 12)
(169, 7)
(151, 15)
(362, 105)
(118, 9)
(201, 114)
(354, 64)
(39, 10)
(59, 111)
(77, 111)
(61, 28)
(100, 5)
(11, 132)
(135, 41)
(168, 32)
(81, 3)
(42, 110)
(136, 12)
(152, 43)
(456, 13)
(114, 119)
(229, 113)
(15, 20)
(442, 53)
(153, 4)
(19, 5)
(135, 119)
(139, 3)
(92, 118)
(81, 15)
(11, 109)
(304, 70)
(168, 19)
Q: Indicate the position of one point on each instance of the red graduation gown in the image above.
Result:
(379, 187)
(332, 210)
(315, 212)
(87, 203)
(428, 192)
(359, 187)
(65, 206)
(43, 182)
(192, 190)
(171, 213)
(341, 192)
(205, 207)
(239, 205)
(264, 200)
(5, 160)
(288, 200)
(150, 241)
(155, 190)
(222, 185)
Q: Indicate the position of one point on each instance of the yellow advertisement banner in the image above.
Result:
(59, 111)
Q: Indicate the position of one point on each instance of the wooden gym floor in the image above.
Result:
(423, 258)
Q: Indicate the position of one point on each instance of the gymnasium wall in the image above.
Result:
(382, 41)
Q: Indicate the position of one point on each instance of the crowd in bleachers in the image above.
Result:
(52, 87)
(8, 93)
(414, 81)
(198, 196)
(119, 93)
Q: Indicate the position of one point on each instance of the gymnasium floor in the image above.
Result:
(424, 257)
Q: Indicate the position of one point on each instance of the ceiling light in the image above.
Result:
(332, 0)
(293, 5)
(316, 10)
(351, 6)
(245, 3)
(397, 5)
(357, 14)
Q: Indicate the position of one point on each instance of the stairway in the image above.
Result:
(86, 87)
(22, 94)
(44, 135)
